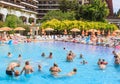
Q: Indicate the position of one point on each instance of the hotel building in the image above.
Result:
(25, 9)
(35, 9)
(46, 5)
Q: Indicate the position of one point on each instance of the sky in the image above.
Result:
(116, 5)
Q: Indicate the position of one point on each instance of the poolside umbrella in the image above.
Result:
(1, 30)
(19, 29)
(117, 31)
(75, 30)
(49, 30)
(5, 29)
(92, 30)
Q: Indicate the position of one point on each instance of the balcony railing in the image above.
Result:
(41, 13)
(36, 1)
(49, 9)
(7, 2)
(26, 10)
(48, 4)
(29, 4)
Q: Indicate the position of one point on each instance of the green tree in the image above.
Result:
(59, 15)
(96, 11)
(82, 25)
(12, 21)
(64, 5)
(2, 24)
(68, 5)
(73, 5)
(118, 13)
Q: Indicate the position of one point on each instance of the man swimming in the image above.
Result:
(27, 68)
(10, 69)
(55, 69)
(73, 72)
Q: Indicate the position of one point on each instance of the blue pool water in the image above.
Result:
(86, 74)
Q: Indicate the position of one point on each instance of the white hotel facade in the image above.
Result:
(25, 9)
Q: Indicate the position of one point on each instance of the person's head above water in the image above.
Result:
(27, 63)
(75, 70)
(55, 64)
(19, 55)
(50, 53)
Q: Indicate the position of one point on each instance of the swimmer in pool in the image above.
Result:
(55, 69)
(73, 72)
(50, 55)
(10, 69)
(27, 68)
(83, 62)
(71, 52)
(99, 61)
(69, 58)
(9, 54)
(39, 68)
(19, 57)
(43, 54)
(103, 64)
(81, 56)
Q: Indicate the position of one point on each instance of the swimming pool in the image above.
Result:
(86, 74)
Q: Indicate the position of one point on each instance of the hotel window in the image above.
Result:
(49, 2)
(44, 2)
(40, 2)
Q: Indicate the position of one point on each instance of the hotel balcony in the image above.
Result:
(32, 3)
(48, 9)
(36, 1)
(29, 4)
(30, 11)
(41, 13)
(11, 3)
(48, 4)
(86, 2)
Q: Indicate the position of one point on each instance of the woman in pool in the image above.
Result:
(27, 68)
(55, 69)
